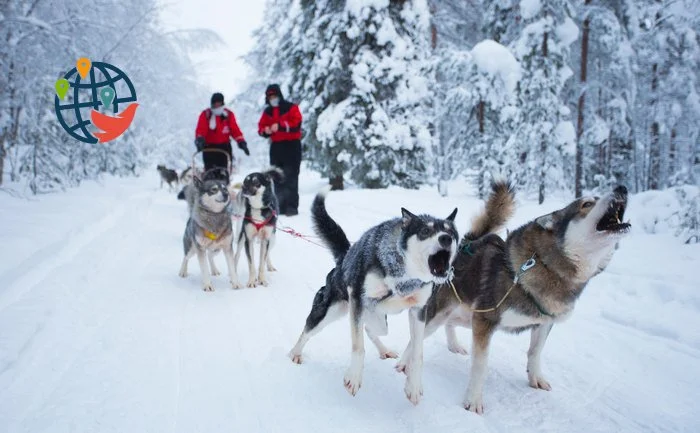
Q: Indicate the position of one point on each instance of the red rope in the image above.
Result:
(296, 234)
(284, 229)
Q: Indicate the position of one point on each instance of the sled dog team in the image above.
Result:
(528, 281)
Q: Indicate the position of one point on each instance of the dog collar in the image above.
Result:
(211, 235)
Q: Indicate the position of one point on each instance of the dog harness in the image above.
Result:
(529, 263)
(406, 286)
(260, 225)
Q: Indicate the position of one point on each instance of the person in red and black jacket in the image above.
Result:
(281, 123)
(215, 128)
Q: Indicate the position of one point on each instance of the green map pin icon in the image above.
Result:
(62, 87)
(107, 96)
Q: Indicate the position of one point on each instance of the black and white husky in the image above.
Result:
(258, 208)
(391, 268)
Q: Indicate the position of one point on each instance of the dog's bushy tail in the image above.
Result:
(328, 230)
(500, 206)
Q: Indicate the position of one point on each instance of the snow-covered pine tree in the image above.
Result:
(363, 74)
(666, 43)
(455, 28)
(268, 62)
(38, 37)
(603, 91)
(546, 138)
(501, 20)
(453, 107)
(491, 88)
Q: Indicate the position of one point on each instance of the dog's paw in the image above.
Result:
(414, 391)
(215, 272)
(352, 381)
(457, 348)
(388, 354)
(271, 268)
(207, 287)
(401, 367)
(538, 382)
(295, 357)
(235, 284)
(262, 281)
(474, 404)
(182, 274)
(251, 284)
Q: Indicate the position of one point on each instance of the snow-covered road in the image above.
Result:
(99, 334)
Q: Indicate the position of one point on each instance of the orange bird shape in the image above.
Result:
(112, 126)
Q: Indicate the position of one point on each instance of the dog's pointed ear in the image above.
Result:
(452, 215)
(406, 217)
(546, 221)
(197, 182)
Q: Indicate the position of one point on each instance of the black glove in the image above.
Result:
(199, 143)
(244, 147)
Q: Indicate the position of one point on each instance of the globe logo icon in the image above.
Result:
(88, 100)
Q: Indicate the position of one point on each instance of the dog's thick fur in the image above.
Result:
(209, 229)
(167, 175)
(391, 268)
(569, 247)
(186, 176)
(258, 220)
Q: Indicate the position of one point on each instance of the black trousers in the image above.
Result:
(287, 156)
(216, 159)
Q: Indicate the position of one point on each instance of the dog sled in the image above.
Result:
(230, 170)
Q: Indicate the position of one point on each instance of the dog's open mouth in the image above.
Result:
(611, 222)
(439, 263)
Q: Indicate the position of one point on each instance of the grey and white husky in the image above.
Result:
(391, 268)
(528, 282)
(209, 229)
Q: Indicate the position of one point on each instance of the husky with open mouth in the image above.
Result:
(528, 282)
(391, 268)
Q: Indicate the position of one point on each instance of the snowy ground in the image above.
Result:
(99, 334)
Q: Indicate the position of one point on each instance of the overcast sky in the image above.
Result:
(233, 20)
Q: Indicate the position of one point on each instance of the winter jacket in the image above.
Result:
(226, 127)
(286, 115)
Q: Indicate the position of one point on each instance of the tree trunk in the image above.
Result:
(673, 166)
(655, 144)
(480, 108)
(2, 159)
(578, 182)
(543, 140)
(336, 183)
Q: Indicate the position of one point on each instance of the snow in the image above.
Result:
(99, 334)
(530, 8)
(565, 134)
(567, 32)
(495, 59)
(359, 8)
(669, 211)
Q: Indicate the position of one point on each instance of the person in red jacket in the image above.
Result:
(215, 128)
(281, 123)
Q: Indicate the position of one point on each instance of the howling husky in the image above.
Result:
(391, 268)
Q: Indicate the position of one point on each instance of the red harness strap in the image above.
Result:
(260, 225)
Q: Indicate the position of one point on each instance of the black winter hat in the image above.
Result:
(273, 89)
(217, 97)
